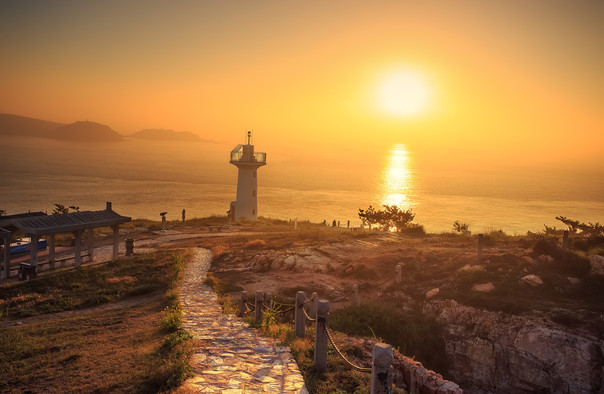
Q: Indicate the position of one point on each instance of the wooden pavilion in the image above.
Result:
(38, 224)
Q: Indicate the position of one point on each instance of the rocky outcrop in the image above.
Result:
(517, 354)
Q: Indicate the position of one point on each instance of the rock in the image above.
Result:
(516, 353)
(484, 287)
(472, 268)
(432, 293)
(573, 281)
(545, 259)
(532, 280)
(528, 259)
(597, 264)
(289, 262)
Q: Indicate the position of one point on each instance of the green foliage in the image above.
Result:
(390, 218)
(171, 319)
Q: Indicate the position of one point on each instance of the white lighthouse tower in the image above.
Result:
(248, 162)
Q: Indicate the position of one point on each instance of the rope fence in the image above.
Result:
(318, 313)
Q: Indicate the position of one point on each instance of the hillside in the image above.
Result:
(24, 126)
(86, 131)
(165, 135)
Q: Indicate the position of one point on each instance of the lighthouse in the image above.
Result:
(248, 162)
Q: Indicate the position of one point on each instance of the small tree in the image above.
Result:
(460, 227)
(2, 212)
(390, 218)
(60, 209)
(590, 229)
(368, 216)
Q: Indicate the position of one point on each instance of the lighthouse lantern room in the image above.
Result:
(245, 207)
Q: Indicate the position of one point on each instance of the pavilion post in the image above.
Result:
(51, 250)
(34, 250)
(116, 240)
(78, 248)
(90, 245)
(6, 257)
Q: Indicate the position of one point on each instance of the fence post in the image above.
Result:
(399, 274)
(313, 305)
(479, 246)
(381, 371)
(300, 316)
(243, 307)
(355, 294)
(258, 307)
(321, 325)
(565, 240)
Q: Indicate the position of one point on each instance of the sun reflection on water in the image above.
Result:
(397, 179)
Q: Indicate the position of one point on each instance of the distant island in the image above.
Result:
(165, 135)
(86, 131)
(23, 126)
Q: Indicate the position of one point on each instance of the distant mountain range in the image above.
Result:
(83, 131)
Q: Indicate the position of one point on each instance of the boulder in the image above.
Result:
(289, 262)
(484, 287)
(532, 280)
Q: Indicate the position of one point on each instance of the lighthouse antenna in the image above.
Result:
(249, 137)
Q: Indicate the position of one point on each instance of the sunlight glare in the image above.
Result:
(403, 93)
(397, 178)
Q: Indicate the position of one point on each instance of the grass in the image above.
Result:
(88, 286)
(128, 349)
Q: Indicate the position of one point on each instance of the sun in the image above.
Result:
(403, 93)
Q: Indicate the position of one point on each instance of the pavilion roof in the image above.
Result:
(67, 222)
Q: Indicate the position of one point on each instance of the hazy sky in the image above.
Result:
(513, 80)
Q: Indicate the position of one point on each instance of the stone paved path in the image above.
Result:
(233, 358)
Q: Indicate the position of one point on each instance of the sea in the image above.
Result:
(144, 178)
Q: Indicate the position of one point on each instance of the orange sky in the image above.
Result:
(513, 80)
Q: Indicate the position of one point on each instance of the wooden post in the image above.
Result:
(355, 294)
(90, 244)
(479, 246)
(399, 274)
(7, 257)
(258, 306)
(381, 371)
(51, 250)
(34, 250)
(78, 248)
(116, 240)
(321, 325)
(300, 317)
(243, 307)
(313, 305)
(565, 240)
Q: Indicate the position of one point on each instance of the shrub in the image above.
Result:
(414, 335)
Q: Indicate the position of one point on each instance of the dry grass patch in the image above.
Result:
(79, 353)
